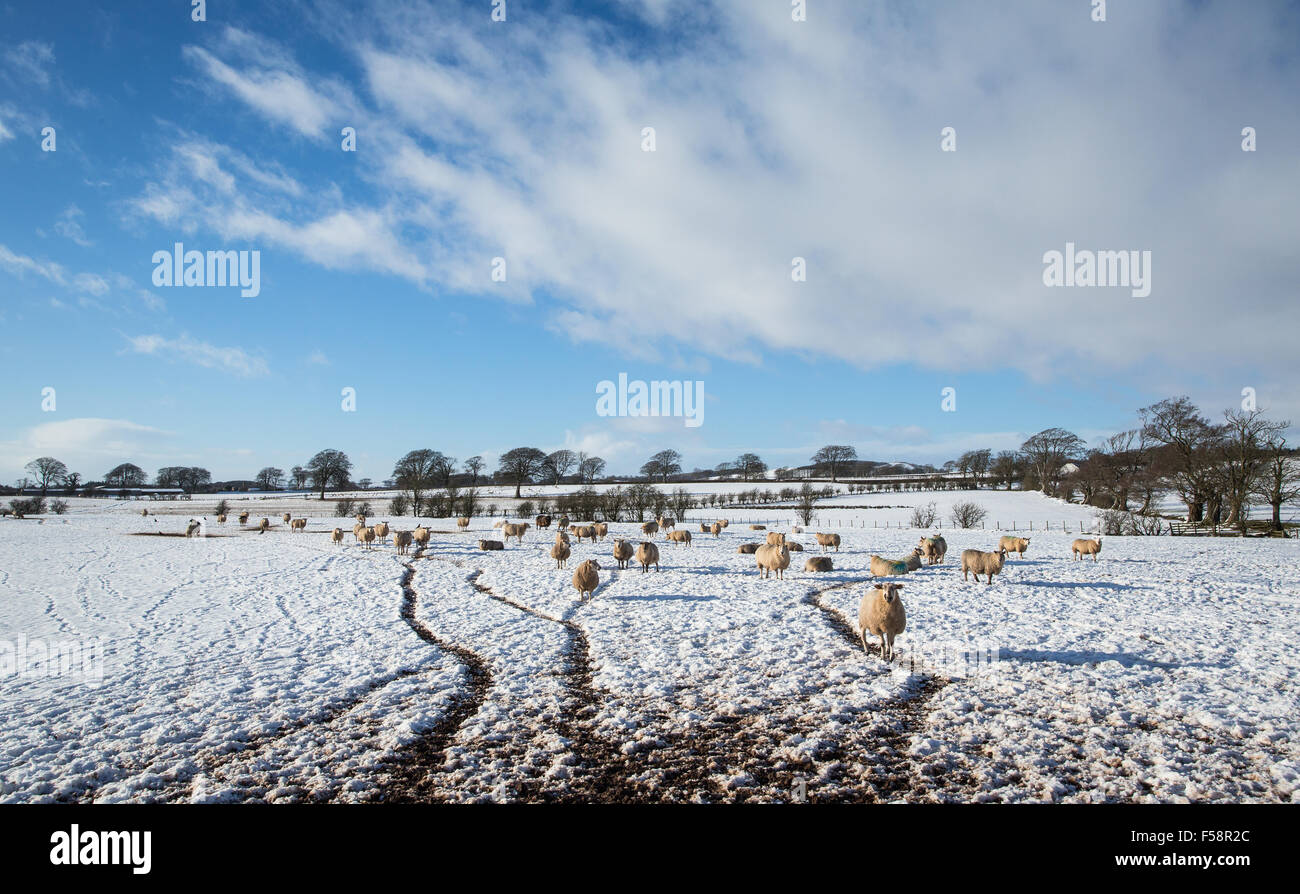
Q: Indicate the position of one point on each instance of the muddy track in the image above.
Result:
(413, 775)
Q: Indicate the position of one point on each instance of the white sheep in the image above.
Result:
(888, 567)
(881, 613)
(1016, 545)
(774, 538)
(337, 536)
(488, 545)
(976, 562)
(1086, 547)
(402, 540)
(560, 552)
(243, 517)
(772, 557)
(602, 530)
(622, 552)
(647, 554)
(381, 531)
(587, 578)
(682, 536)
(462, 523)
(298, 524)
(649, 529)
(818, 563)
(515, 531)
(421, 536)
(828, 540)
(934, 549)
(264, 526)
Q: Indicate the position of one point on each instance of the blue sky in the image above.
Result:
(523, 139)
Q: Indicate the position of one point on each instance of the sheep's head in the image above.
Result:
(889, 592)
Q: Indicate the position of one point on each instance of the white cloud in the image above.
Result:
(30, 59)
(318, 358)
(84, 444)
(69, 226)
(233, 360)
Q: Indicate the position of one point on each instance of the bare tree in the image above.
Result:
(126, 475)
(968, 515)
(442, 468)
(1048, 451)
(474, 468)
(269, 478)
(1279, 480)
(520, 466)
(663, 464)
(833, 456)
(1240, 458)
(590, 468)
(1188, 439)
(805, 506)
(299, 475)
(1006, 468)
(560, 463)
(750, 466)
(329, 466)
(47, 470)
(416, 473)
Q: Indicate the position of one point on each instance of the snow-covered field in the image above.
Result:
(283, 667)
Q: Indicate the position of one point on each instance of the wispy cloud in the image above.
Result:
(233, 360)
(69, 226)
(30, 60)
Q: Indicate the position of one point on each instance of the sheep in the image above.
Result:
(462, 523)
(913, 559)
(144, 512)
(1086, 547)
(649, 529)
(421, 536)
(486, 545)
(818, 563)
(794, 546)
(622, 552)
(337, 536)
(747, 549)
(586, 532)
(560, 552)
(298, 524)
(724, 522)
(194, 527)
(772, 557)
(758, 527)
(562, 535)
(381, 531)
(361, 519)
(774, 538)
(368, 537)
(496, 525)
(221, 519)
(828, 540)
(881, 613)
(972, 560)
(1016, 545)
(704, 527)
(563, 522)
(795, 529)
(934, 549)
(602, 530)
(716, 529)
(647, 554)
(264, 526)
(888, 567)
(666, 523)
(515, 531)
(288, 517)
(543, 521)
(243, 517)
(587, 578)
(573, 529)
(680, 537)
(402, 540)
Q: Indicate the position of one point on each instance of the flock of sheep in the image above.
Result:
(881, 612)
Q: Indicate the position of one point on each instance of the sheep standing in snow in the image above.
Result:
(826, 540)
(264, 526)
(682, 536)
(243, 518)
(1016, 545)
(563, 522)
(818, 563)
(402, 540)
(774, 538)
(934, 549)
(724, 522)
(543, 521)
(881, 614)
(560, 552)
(716, 529)
(976, 562)
(221, 518)
(704, 527)
(649, 529)
(287, 518)
(647, 554)
(515, 531)
(421, 536)
(1085, 547)
(337, 536)
(381, 531)
(772, 557)
(462, 523)
(298, 524)
(586, 532)
(193, 528)
(587, 578)
(622, 552)
(666, 523)
(368, 537)
(602, 530)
